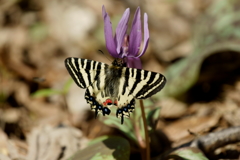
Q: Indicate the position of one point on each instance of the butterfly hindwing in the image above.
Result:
(95, 105)
(114, 85)
(137, 83)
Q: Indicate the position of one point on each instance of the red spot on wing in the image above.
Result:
(108, 101)
(115, 103)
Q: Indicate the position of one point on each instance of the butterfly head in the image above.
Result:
(119, 62)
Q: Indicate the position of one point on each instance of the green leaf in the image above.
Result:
(50, 92)
(153, 115)
(45, 93)
(126, 127)
(189, 153)
(67, 86)
(147, 102)
(105, 148)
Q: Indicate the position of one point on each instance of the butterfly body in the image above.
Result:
(112, 79)
(113, 85)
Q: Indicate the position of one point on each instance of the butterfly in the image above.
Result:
(113, 85)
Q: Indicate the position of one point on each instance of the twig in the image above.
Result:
(208, 143)
(212, 141)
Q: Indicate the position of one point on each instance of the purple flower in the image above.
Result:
(126, 46)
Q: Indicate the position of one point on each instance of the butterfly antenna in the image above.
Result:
(105, 55)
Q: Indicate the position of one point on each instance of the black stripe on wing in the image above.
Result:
(146, 83)
(83, 71)
(149, 90)
(126, 82)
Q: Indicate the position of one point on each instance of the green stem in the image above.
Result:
(145, 131)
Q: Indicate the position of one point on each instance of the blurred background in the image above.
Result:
(194, 43)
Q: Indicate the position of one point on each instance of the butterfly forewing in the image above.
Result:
(83, 71)
(144, 83)
(113, 85)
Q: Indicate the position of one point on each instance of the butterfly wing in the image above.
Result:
(86, 74)
(144, 83)
(137, 83)
(83, 71)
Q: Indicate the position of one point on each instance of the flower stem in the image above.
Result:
(145, 131)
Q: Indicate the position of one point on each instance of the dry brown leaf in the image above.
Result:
(171, 108)
(3, 143)
(179, 129)
(48, 143)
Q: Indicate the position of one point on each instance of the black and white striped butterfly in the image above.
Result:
(113, 85)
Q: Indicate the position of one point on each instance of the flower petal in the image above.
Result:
(122, 29)
(135, 36)
(110, 43)
(146, 35)
(134, 62)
